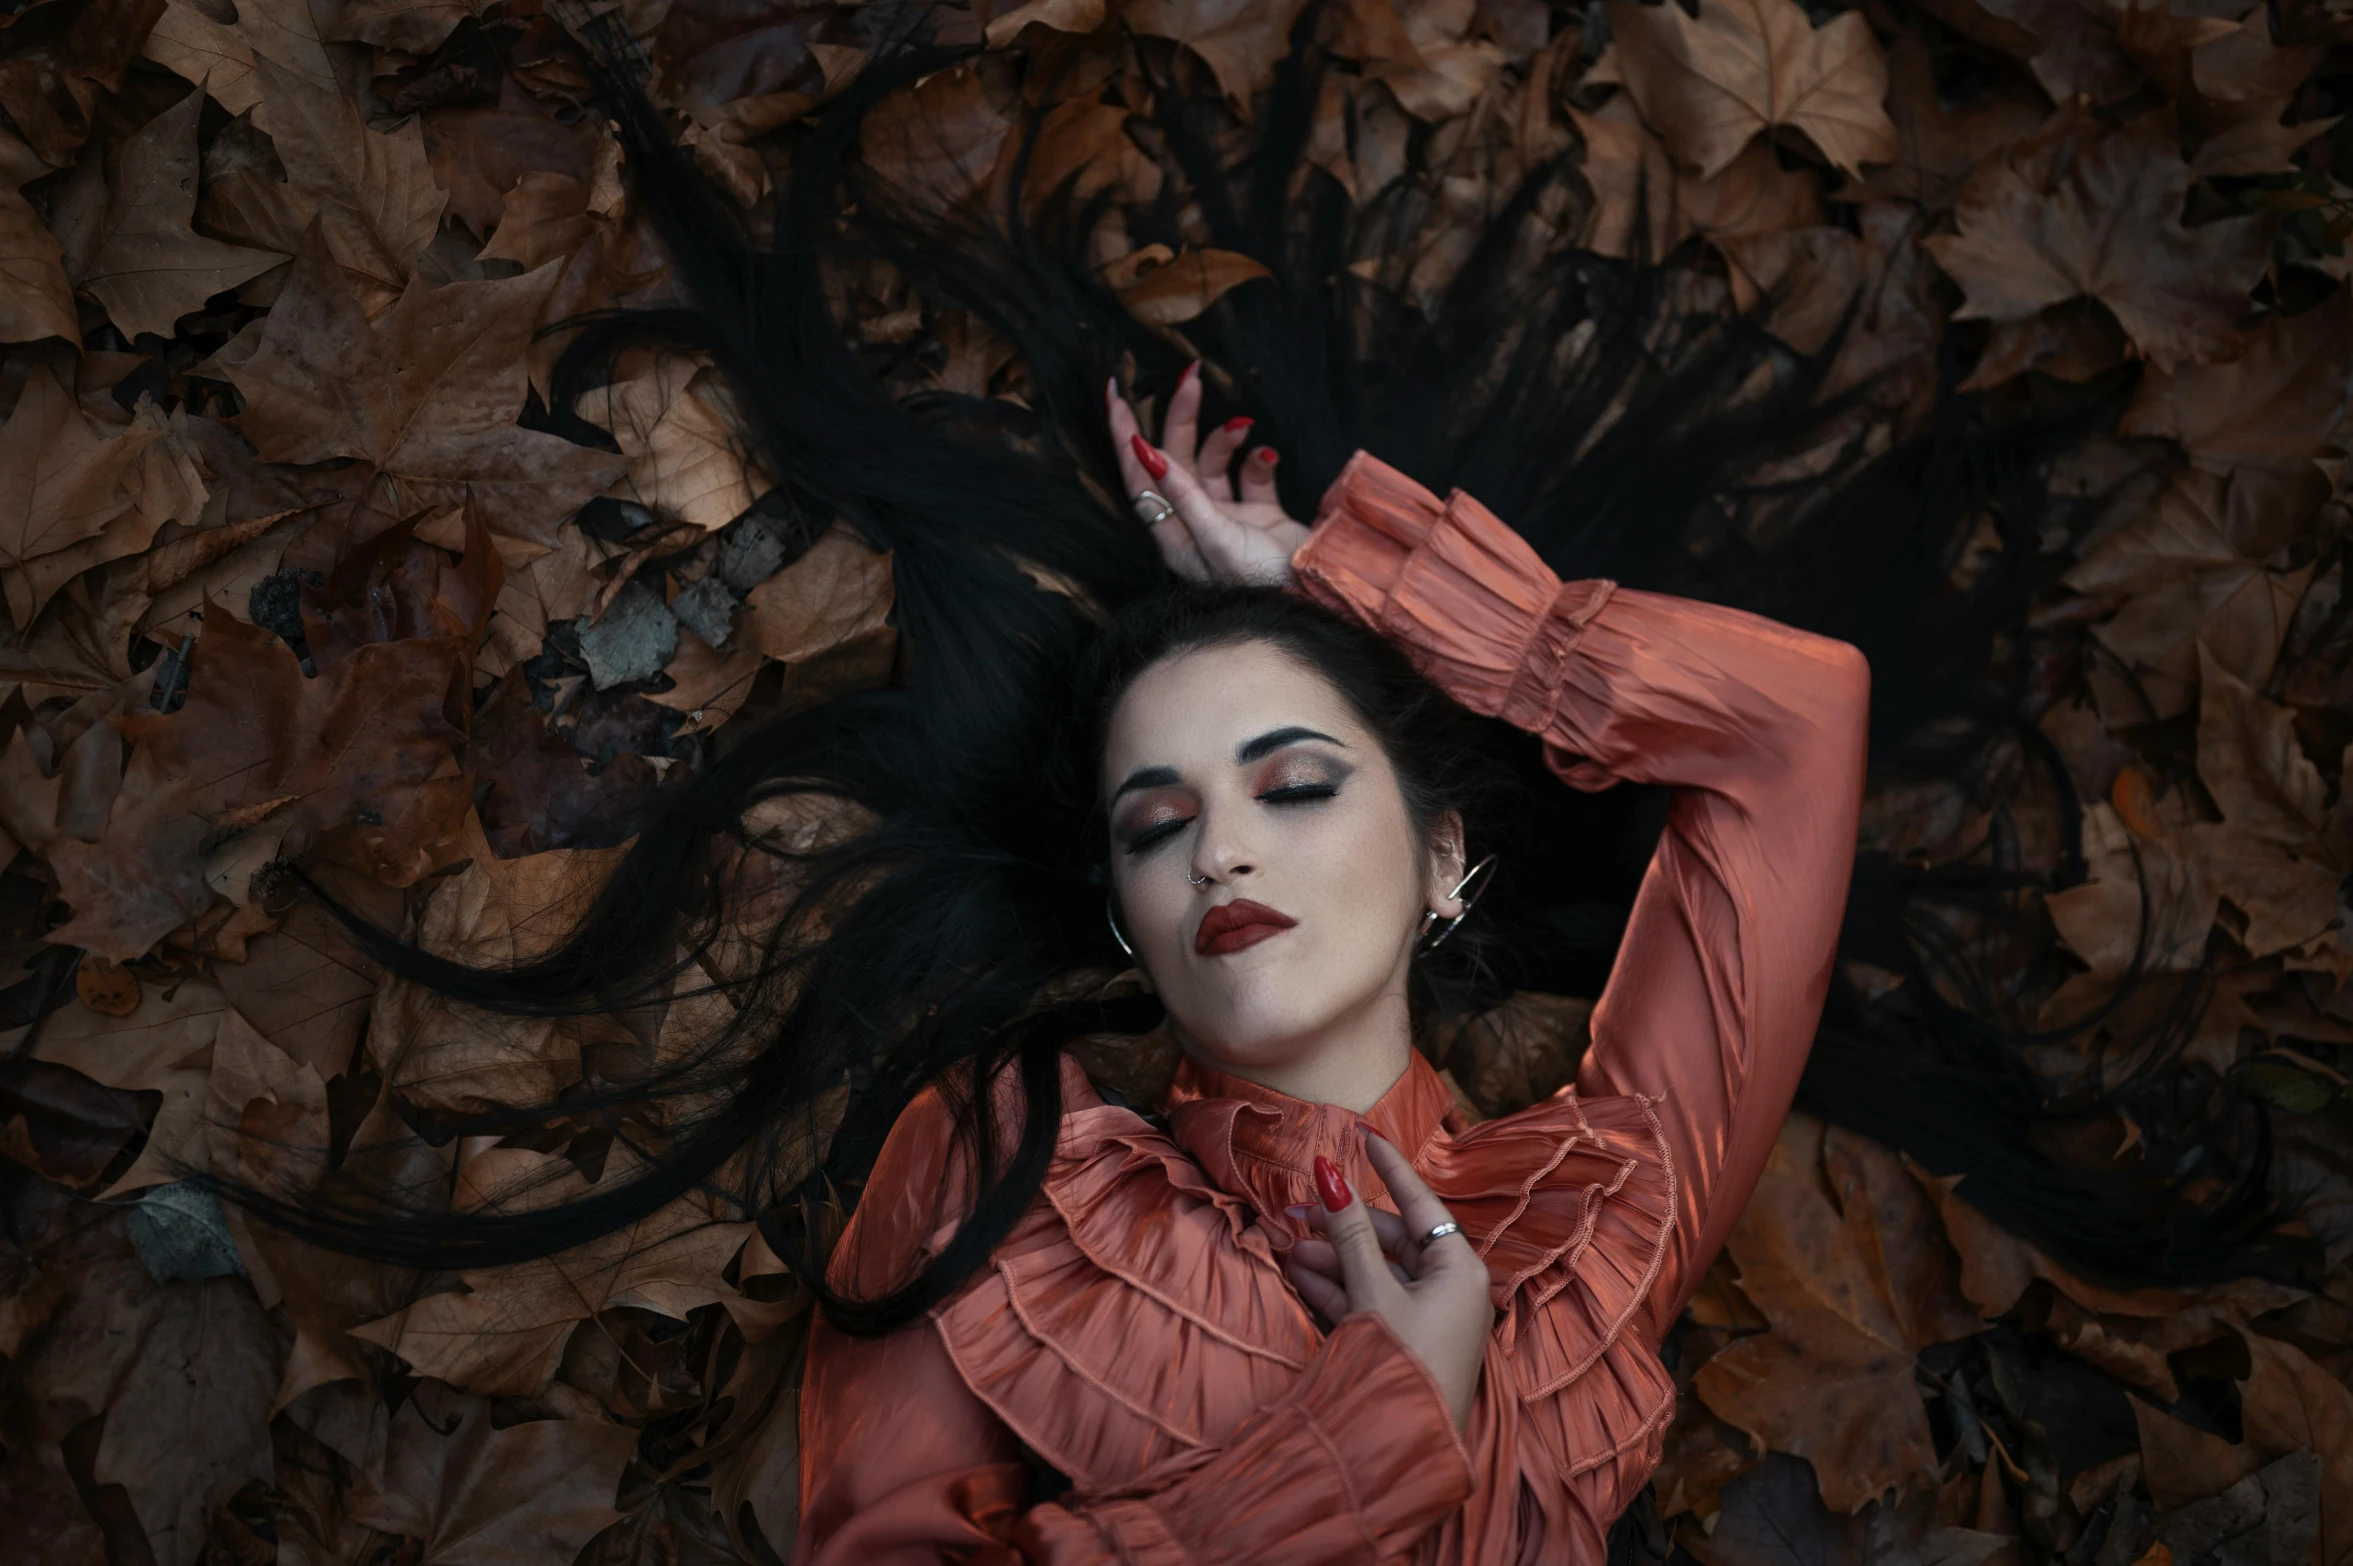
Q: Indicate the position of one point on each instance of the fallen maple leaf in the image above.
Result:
(1710, 86)
(2263, 418)
(471, 1493)
(1937, 148)
(363, 735)
(1240, 40)
(939, 145)
(1062, 16)
(36, 300)
(1630, 173)
(494, 912)
(408, 26)
(506, 1332)
(71, 499)
(132, 247)
(1187, 284)
(2181, 581)
(372, 195)
(428, 396)
(838, 592)
(2074, 212)
(291, 34)
(1855, 1286)
(674, 420)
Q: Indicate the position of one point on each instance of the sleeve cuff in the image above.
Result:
(1357, 1463)
(1465, 595)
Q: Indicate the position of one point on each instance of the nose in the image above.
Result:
(1221, 851)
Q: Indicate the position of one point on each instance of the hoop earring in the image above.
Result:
(1111, 917)
(1484, 873)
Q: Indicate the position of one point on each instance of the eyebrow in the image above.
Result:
(1248, 751)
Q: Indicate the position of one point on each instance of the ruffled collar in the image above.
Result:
(1261, 1145)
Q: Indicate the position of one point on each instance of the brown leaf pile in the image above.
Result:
(294, 572)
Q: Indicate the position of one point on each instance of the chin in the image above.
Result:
(1259, 1018)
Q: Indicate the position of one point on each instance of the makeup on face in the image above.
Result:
(1238, 926)
(1155, 803)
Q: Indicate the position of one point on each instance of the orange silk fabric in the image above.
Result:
(1135, 1336)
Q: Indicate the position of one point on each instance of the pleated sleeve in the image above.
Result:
(1759, 730)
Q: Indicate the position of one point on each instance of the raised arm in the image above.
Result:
(1760, 731)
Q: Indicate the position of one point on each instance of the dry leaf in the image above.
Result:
(2073, 212)
(1187, 284)
(1063, 16)
(372, 195)
(140, 258)
(1710, 86)
(428, 396)
(71, 499)
(672, 420)
(838, 592)
(505, 1333)
(1240, 40)
(1855, 1286)
(471, 1493)
(2263, 418)
(35, 298)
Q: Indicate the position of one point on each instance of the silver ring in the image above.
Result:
(1441, 1232)
(1189, 881)
(1167, 508)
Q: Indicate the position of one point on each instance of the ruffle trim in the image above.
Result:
(1575, 1239)
(1137, 1316)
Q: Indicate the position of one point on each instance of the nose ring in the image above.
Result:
(1190, 880)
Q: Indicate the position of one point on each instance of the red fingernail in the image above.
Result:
(1365, 1128)
(1237, 426)
(1188, 375)
(1154, 463)
(1330, 1186)
(1266, 454)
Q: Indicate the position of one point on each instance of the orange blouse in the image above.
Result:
(1135, 1331)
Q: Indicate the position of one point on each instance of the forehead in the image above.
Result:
(1192, 709)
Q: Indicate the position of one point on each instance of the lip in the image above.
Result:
(1230, 927)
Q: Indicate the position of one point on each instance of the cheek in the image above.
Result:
(1357, 865)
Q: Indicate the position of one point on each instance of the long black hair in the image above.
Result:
(923, 922)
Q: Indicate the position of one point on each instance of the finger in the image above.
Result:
(1326, 1298)
(1317, 1256)
(1258, 477)
(1418, 1204)
(1217, 535)
(1362, 1267)
(1122, 420)
(1169, 533)
(1215, 469)
(1390, 1229)
(1180, 431)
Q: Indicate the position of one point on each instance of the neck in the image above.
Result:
(1352, 1062)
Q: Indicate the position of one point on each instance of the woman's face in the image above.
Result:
(1244, 769)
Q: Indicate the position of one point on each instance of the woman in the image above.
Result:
(1060, 1326)
(1311, 1315)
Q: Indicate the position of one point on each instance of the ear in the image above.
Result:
(1447, 862)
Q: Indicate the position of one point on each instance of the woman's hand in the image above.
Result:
(1211, 534)
(1433, 1296)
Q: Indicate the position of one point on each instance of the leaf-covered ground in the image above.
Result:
(294, 569)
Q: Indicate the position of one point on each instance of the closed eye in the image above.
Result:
(1159, 832)
(1299, 793)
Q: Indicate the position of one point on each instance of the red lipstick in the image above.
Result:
(1229, 927)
